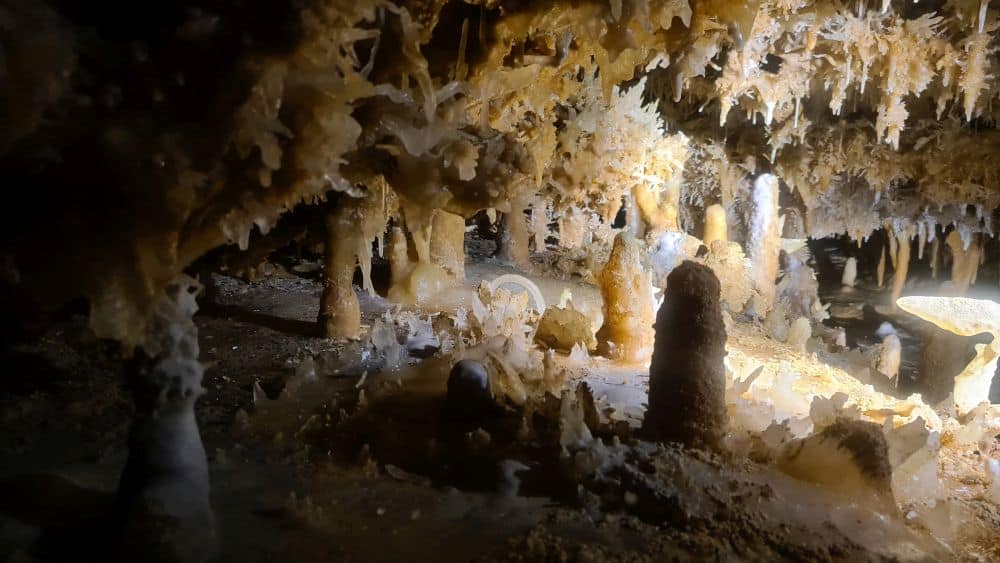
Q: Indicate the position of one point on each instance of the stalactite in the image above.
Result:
(902, 265)
(339, 309)
(893, 247)
(687, 375)
(880, 271)
(627, 332)
(764, 244)
(715, 225)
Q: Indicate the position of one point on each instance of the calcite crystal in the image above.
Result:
(687, 382)
(626, 286)
(850, 457)
(965, 317)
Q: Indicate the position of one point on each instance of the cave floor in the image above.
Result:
(341, 493)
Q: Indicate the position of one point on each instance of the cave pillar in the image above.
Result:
(935, 252)
(764, 240)
(715, 225)
(514, 237)
(902, 265)
(162, 509)
(339, 309)
(399, 257)
(687, 375)
(447, 245)
(964, 264)
(880, 270)
(627, 332)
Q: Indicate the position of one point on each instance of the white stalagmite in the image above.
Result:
(850, 276)
(162, 506)
(764, 240)
(965, 317)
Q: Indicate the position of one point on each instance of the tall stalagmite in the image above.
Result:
(764, 239)
(687, 375)
(339, 309)
(626, 286)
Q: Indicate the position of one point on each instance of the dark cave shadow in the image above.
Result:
(74, 521)
(309, 329)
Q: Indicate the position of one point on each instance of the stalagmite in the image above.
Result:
(447, 248)
(657, 208)
(399, 257)
(902, 265)
(935, 252)
(965, 317)
(627, 333)
(799, 333)
(715, 225)
(880, 271)
(162, 509)
(964, 263)
(515, 237)
(339, 310)
(764, 239)
(889, 357)
(687, 375)
(850, 275)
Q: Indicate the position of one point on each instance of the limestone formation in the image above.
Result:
(850, 275)
(687, 375)
(965, 317)
(626, 286)
(764, 239)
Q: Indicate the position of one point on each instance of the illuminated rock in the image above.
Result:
(850, 275)
(764, 239)
(626, 286)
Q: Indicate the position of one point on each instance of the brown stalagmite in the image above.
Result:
(515, 237)
(880, 271)
(902, 265)
(656, 207)
(626, 286)
(687, 375)
(339, 310)
(448, 243)
(715, 225)
(964, 263)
